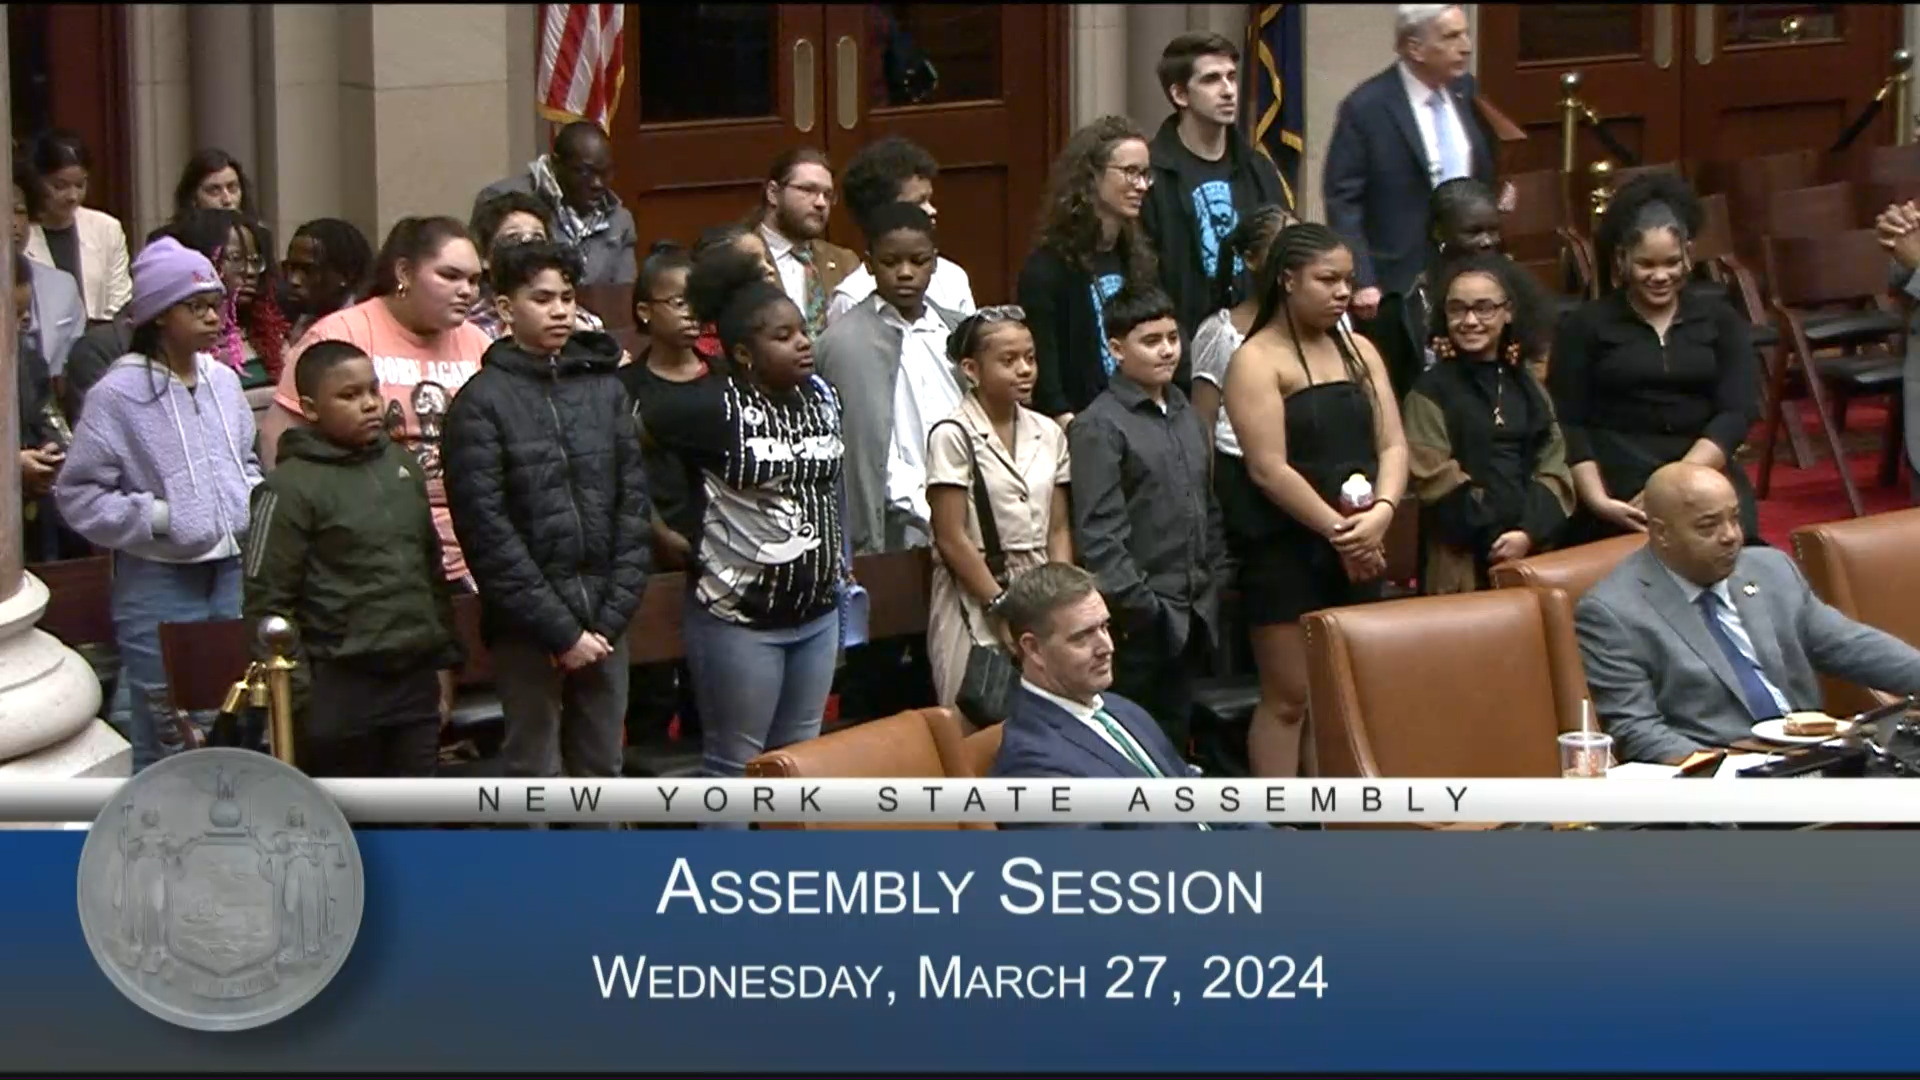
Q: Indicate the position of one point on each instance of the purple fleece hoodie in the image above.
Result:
(157, 471)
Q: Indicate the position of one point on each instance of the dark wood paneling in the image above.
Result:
(68, 65)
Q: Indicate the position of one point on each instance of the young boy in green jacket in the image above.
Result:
(342, 544)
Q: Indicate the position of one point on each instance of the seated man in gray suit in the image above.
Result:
(1696, 637)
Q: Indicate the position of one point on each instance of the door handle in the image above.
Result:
(846, 81)
(804, 78)
(1705, 26)
(1663, 36)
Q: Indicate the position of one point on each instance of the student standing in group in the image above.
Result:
(1090, 245)
(887, 359)
(512, 217)
(743, 238)
(328, 262)
(1222, 332)
(160, 472)
(342, 545)
(549, 500)
(43, 433)
(993, 446)
(668, 366)
(1207, 177)
(1466, 221)
(1654, 371)
(87, 243)
(1145, 519)
(1323, 464)
(583, 211)
(1484, 451)
(761, 624)
(253, 332)
(889, 170)
(792, 219)
(415, 328)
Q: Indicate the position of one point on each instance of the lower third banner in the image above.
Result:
(1083, 951)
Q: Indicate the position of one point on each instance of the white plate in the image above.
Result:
(1776, 731)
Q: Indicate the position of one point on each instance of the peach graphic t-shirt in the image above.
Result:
(418, 378)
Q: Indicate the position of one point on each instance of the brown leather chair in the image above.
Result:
(916, 743)
(1572, 570)
(1476, 684)
(1865, 568)
(981, 748)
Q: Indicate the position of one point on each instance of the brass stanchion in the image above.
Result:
(279, 637)
(1570, 110)
(1902, 97)
(1602, 173)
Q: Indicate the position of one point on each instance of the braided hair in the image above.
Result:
(1248, 240)
(1292, 251)
(1648, 202)
(727, 287)
(343, 249)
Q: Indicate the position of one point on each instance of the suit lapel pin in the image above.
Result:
(1750, 589)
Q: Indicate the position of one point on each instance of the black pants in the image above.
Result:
(368, 723)
(1159, 678)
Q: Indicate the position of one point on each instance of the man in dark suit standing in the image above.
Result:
(1062, 724)
(1398, 136)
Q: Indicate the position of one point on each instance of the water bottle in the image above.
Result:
(1356, 494)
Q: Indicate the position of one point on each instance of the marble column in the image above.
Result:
(49, 698)
(220, 39)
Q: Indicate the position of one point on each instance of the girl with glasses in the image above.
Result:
(1485, 454)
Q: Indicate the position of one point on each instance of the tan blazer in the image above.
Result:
(106, 283)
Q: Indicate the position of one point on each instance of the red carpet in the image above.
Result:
(1812, 495)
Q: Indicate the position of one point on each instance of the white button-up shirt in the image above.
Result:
(793, 272)
(1729, 617)
(1420, 96)
(950, 289)
(924, 393)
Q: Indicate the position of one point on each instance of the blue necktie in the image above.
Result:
(1759, 699)
(1450, 162)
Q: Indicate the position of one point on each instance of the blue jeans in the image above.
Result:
(757, 689)
(146, 594)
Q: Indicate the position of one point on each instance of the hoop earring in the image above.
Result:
(1443, 347)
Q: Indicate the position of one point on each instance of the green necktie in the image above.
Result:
(816, 305)
(1134, 751)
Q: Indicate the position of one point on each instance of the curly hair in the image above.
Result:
(1529, 320)
(1069, 223)
(1293, 250)
(728, 288)
(490, 215)
(876, 174)
(1652, 201)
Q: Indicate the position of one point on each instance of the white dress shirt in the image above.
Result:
(950, 289)
(793, 272)
(1420, 96)
(924, 393)
(1729, 617)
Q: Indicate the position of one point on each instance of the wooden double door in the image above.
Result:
(714, 92)
(1700, 82)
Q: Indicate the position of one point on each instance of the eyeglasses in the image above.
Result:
(236, 261)
(1135, 176)
(672, 303)
(1481, 310)
(815, 191)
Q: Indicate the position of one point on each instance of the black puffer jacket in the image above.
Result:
(548, 492)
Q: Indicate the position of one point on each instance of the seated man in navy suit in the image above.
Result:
(1061, 723)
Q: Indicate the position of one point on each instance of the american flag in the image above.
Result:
(582, 61)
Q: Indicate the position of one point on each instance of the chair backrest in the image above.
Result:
(1834, 268)
(1572, 570)
(1749, 183)
(1865, 568)
(1893, 163)
(613, 303)
(980, 748)
(1715, 240)
(1812, 211)
(1532, 232)
(79, 599)
(1621, 177)
(1475, 684)
(916, 743)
